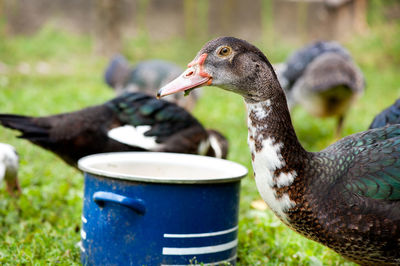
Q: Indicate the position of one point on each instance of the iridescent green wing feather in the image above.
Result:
(373, 168)
(165, 118)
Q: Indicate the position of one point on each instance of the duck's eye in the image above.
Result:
(224, 51)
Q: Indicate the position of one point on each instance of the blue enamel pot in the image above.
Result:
(159, 209)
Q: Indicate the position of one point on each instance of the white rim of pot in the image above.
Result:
(234, 172)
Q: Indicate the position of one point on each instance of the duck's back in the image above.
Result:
(329, 85)
(389, 116)
(298, 62)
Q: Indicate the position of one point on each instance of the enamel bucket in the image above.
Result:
(145, 208)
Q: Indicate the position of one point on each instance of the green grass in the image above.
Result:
(42, 226)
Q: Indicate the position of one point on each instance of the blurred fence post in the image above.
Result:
(227, 15)
(196, 19)
(202, 19)
(2, 18)
(107, 28)
(189, 10)
(302, 14)
(141, 13)
(22, 16)
(267, 21)
(307, 20)
(360, 15)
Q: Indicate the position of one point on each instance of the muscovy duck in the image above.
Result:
(130, 122)
(9, 162)
(323, 78)
(146, 76)
(389, 116)
(346, 196)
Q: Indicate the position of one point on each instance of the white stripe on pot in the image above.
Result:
(83, 234)
(205, 264)
(84, 220)
(201, 234)
(199, 250)
(80, 245)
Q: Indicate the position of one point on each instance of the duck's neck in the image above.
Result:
(276, 152)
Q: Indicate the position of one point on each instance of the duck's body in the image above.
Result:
(9, 162)
(322, 78)
(130, 122)
(346, 197)
(389, 116)
(146, 76)
(297, 63)
(340, 197)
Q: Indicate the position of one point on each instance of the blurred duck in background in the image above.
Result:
(323, 78)
(389, 116)
(147, 77)
(9, 162)
(129, 122)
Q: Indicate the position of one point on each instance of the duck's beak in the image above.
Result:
(191, 78)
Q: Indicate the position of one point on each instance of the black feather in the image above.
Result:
(389, 116)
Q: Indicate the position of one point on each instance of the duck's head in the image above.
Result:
(231, 64)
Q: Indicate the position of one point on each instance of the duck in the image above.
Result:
(346, 197)
(389, 116)
(9, 164)
(323, 78)
(146, 76)
(129, 122)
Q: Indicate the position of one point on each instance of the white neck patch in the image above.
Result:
(267, 161)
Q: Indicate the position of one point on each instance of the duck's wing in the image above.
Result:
(390, 115)
(370, 163)
(155, 119)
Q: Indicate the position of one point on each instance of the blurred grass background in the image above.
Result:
(56, 71)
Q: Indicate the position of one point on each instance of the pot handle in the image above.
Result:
(100, 197)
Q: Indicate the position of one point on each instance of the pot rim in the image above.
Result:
(235, 173)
